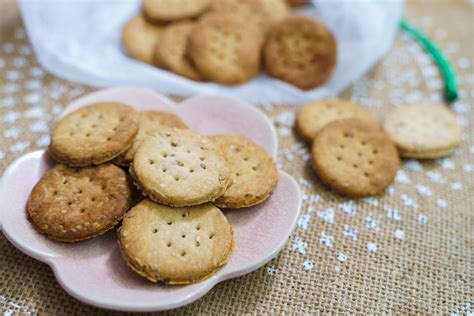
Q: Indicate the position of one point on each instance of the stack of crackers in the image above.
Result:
(354, 156)
(230, 41)
(172, 228)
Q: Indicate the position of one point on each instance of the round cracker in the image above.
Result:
(313, 116)
(354, 158)
(180, 168)
(300, 50)
(139, 38)
(175, 245)
(171, 51)
(171, 10)
(262, 13)
(72, 204)
(93, 134)
(149, 124)
(423, 131)
(255, 173)
(225, 50)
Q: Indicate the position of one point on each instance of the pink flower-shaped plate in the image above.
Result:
(94, 272)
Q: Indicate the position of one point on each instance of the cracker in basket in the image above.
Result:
(94, 134)
(225, 50)
(149, 124)
(354, 158)
(314, 115)
(171, 51)
(175, 245)
(260, 12)
(255, 173)
(72, 204)
(171, 10)
(180, 168)
(139, 38)
(423, 131)
(300, 50)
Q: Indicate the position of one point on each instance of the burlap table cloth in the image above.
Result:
(409, 251)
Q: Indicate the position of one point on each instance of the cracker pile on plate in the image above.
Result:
(230, 41)
(175, 231)
(355, 157)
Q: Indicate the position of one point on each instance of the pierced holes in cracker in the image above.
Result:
(183, 253)
(176, 178)
(173, 144)
(355, 166)
(69, 203)
(88, 134)
(191, 170)
(370, 162)
(183, 215)
(109, 139)
(114, 129)
(180, 163)
(55, 193)
(202, 158)
(254, 168)
(341, 146)
(165, 155)
(203, 166)
(197, 244)
(363, 143)
(83, 210)
(168, 244)
(339, 158)
(366, 174)
(169, 222)
(211, 235)
(237, 174)
(164, 169)
(154, 231)
(183, 236)
(198, 227)
(122, 119)
(375, 151)
(246, 158)
(151, 162)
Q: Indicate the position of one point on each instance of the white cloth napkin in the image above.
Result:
(80, 41)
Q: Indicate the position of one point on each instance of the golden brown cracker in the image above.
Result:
(423, 131)
(149, 124)
(171, 52)
(354, 158)
(93, 134)
(225, 50)
(171, 10)
(139, 38)
(255, 173)
(180, 168)
(72, 204)
(300, 50)
(175, 245)
(313, 116)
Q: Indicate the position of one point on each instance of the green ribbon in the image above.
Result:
(450, 88)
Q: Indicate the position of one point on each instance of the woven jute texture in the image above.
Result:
(409, 251)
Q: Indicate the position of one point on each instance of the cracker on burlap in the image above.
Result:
(255, 173)
(175, 245)
(93, 134)
(300, 50)
(180, 168)
(149, 124)
(72, 204)
(313, 116)
(139, 38)
(423, 131)
(354, 158)
(225, 50)
(171, 10)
